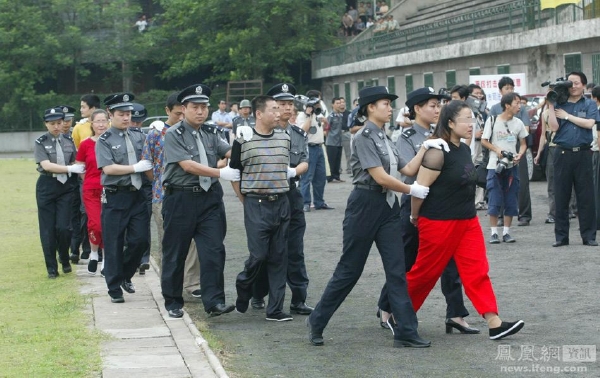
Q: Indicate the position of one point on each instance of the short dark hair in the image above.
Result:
(472, 87)
(449, 113)
(335, 99)
(172, 101)
(508, 99)
(581, 75)
(91, 100)
(590, 85)
(462, 91)
(260, 103)
(313, 93)
(596, 92)
(505, 81)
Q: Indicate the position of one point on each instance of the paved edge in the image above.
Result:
(213, 360)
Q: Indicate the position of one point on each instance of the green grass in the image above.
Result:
(44, 331)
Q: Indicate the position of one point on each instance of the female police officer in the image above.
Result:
(373, 215)
(54, 190)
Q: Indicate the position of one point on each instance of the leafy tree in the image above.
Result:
(243, 39)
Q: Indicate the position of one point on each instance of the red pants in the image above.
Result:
(440, 240)
(93, 207)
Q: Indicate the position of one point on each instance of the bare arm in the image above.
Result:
(53, 167)
(301, 168)
(236, 188)
(413, 166)
(118, 169)
(191, 167)
(426, 177)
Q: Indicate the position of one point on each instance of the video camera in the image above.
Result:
(559, 90)
(477, 106)
(503, 163)
(302, 102)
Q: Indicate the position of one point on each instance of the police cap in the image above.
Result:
(282, 92)
(197, 93)
(422, 94)
(68, 110)
(369, 95)
(138, 113)
(53, 114)
(245, 104)
(119, 101)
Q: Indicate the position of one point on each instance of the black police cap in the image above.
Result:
(119, 101)
(53, 114)
(197, 93)
(369, 95)
(422, 94)
(68, 110)
(283, 92)
(139, 112)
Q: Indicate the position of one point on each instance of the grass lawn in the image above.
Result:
(44, 331)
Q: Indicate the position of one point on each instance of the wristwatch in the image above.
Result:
(566, 118)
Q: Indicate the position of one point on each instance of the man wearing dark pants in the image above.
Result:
(333, 142)
(573, 122)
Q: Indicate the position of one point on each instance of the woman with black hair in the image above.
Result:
(448, 223)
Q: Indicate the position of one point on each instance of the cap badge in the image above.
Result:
(285, 88)
(65, 109)
(125, 98)
(387, 90)
(52, 111)
(137, 113)
(431, 90)
(198, 90)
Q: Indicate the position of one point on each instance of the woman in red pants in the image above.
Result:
(92, 189)
(448, 223)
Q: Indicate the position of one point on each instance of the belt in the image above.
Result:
(376, 188)
(120, 188)
(265, 197)
(575, 149)
(193, 189)
(314, 144)
(49, 174)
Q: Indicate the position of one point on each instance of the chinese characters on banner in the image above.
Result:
(489, 84)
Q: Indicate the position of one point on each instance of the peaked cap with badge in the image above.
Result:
(68, 110)
(369, 95)
(119, 101)
(422, 94)
(53, 114)
(282, 92)
(197, 93)
(138, 113)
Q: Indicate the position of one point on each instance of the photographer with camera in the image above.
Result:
(573, 121)
(312, 120)
(500, 136)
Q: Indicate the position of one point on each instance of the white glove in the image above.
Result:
(76, 168)
(142, 166)
(228, 173)
(291, 173)
(436, 143)
(244, 132)
(418, 191)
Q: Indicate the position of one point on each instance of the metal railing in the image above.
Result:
(509, 17)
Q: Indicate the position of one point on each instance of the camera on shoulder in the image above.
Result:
(559, 90)
(302, 102)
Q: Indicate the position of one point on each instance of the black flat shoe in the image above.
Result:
(591, 243)
(257, 304)
(220, 309)
(450, 324)
(506, 329)
(128, 287)
(315, 338)
(417, 342)
(300, 308)
(560, 243)
(176, 313)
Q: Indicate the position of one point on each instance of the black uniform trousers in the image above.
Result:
(450, 280)
(574, 169)
(54, 215)
(267, 223)
(297, 278)
(369, 219)
(200, 216)
(79, 236)
(334, 158)
(124, 220)
(524, 194)
(596, 168)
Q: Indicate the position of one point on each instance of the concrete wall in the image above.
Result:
(18, 141)
(538, 53)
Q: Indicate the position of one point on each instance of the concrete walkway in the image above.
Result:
(144, 341)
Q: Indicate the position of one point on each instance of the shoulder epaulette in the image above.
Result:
(41, 139)
(366, 132)
(179, 129)
(138, 129)
(299, 130)
(67, 136)
(408, 133)
(209, 128)
(105, 135)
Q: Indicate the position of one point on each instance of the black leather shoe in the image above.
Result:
(523, 222)
(560, 243)
(220, 309)
(257, 304)
(315, 338)
(66, 268)
(591, 243)
(52, 275)
(176, 313)
(143, 268)
(417, 342)
(85, 255)
(324, 207)
(301, 308)
(128, 287)
(450, 324)
(241, 305)
(117, 299)
(506, 329)
(74, 258)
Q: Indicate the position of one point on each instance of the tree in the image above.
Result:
(243, 39)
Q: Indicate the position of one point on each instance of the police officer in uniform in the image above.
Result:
(245, 117)
(297, 278)
(124, 210)
(373, 215)
(193, 204)
(54, 153)
(423, 104)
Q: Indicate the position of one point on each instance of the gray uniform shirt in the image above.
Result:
(241, 121)
(409, 144)
(180, 145)
(44, 148)
(369, 151)
(334, 136)
(298, 145)
(111, 148)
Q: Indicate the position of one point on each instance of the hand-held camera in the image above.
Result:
(477, 106)
(302, 102)
(559, 90)
(503, 163)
